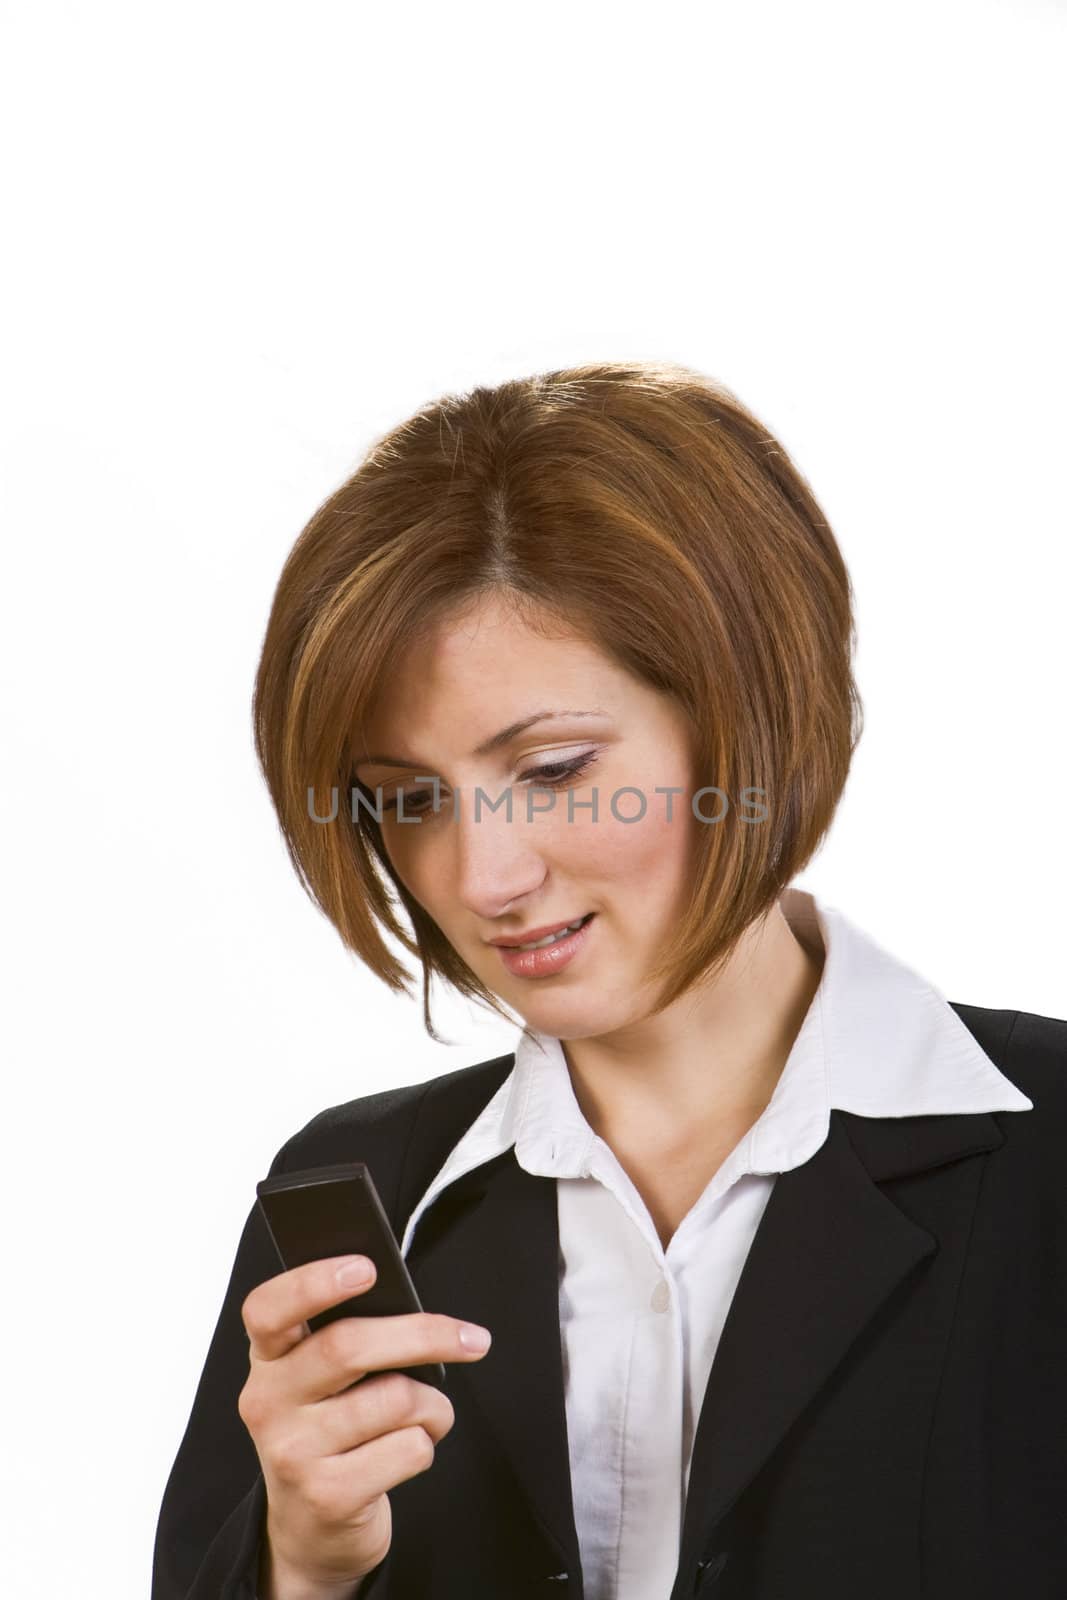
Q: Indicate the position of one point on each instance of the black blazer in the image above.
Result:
(885, 1418)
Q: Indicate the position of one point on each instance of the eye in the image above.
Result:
(416, 802)
(419, 802)
(558, 772)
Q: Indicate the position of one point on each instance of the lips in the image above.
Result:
(549, 957)
(534, 934)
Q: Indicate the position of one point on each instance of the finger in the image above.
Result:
(342, 1489)
(358, 1477)
(275, 1313)
(292, 1439)
(345, 1351)
(382, 1403)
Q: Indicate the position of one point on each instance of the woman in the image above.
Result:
(767, 1236)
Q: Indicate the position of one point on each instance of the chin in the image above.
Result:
(570, 1019)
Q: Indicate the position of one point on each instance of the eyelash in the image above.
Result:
(566, 770)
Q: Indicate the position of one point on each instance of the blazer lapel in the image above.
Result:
(830, 1250)
(487, 1250)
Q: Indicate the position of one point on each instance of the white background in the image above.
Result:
(242, 241)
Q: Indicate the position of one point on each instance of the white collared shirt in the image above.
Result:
(877, 1040)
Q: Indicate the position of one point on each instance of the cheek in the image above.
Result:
(412, 866)
(648, 850)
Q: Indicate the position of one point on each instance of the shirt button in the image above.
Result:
(661, 1296)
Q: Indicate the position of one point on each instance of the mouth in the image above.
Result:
(543, 959)
(542, 938)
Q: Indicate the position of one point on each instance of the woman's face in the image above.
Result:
(483, 877)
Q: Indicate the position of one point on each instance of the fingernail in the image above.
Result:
(352, 1273)
(472, 1337)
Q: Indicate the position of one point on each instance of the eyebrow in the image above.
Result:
(494, 742)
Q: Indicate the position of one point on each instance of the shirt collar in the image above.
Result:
(878, 1040)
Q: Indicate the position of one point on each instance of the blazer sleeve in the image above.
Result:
(208, 1536)
(210, 1527)
(211, 1518)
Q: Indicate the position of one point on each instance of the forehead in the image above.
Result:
(483, 664)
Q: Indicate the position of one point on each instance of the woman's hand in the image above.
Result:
(329, 1452)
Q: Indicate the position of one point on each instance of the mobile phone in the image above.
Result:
(336, 1211)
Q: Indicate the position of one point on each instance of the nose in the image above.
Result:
(498, 854)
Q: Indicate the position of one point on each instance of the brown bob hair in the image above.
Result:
(641, 506)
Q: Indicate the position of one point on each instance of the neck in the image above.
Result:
(707, 1066)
